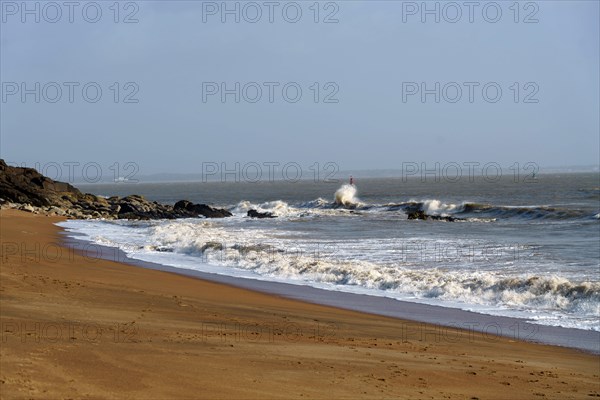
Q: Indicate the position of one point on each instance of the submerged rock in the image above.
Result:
(416, 215)
(420, 214)
(257, 214)
(200, 209)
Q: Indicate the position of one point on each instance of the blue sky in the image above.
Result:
(368, 61)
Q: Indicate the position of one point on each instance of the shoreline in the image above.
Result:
(76, 326)
(486, 325)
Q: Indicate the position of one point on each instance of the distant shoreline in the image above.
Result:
(339, 178)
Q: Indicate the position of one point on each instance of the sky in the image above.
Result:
(172, 86)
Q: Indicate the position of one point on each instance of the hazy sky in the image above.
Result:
(375, 61)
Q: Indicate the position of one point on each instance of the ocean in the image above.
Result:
(526, 249)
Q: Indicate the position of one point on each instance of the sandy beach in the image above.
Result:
(80, 327)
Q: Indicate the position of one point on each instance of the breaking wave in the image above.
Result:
(261, 254)
(346, 196)
(489, 211)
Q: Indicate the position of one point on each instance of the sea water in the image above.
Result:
(527, 250)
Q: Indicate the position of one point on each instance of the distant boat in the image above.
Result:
(121, 179)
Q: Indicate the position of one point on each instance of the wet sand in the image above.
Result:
(82, 327)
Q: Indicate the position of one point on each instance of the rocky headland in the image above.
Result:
(26, 189)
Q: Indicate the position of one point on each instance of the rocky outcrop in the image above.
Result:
(258, 214)
(27, 186)
(138, 207)
(28, 190)
(195, 210)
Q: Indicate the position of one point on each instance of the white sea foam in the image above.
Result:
(375, 266)
(436, 207)
(278, 208)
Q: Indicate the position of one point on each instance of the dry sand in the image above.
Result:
(76, 327)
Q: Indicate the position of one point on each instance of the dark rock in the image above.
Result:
(194, 210)
(137, 207)
(29, 190)
(126, 208)
(26, 185)
(420, 214)
(256, 214)
(133, 215)
(183, 205)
